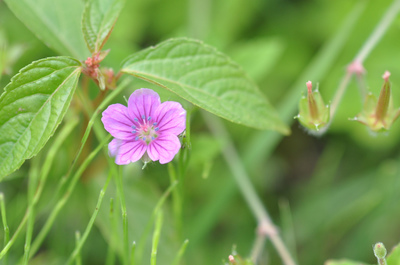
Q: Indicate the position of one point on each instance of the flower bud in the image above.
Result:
(380, 250)
(313, 113)
(380, 253)
(379, 115)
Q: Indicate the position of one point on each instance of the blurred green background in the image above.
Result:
(331, 197)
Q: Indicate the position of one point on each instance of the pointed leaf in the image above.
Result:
(56, 23)
(207, 78)
(32, 106)
(98, 21)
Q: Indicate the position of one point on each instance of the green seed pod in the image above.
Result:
(379, 115)
(313, 113)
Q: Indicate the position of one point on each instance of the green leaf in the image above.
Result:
(56, 23)
(98, 21)
(207, 78)
(32, 106)
(394, 256)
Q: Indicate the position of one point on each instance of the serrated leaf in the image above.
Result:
(98, 21)
(32, 106)
(56, 23)
(394, 256)
(207, 78)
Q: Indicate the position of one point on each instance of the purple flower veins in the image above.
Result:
(146, 128)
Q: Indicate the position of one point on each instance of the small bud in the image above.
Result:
(380, 250)
(313, 114)
(380, 253)
(379, 115)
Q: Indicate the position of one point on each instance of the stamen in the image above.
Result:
(152, 138)
(135, 119)
(149, 118)
(143, 117)
(144, 138)
(155, 123)
(133, 132)
(136, 138)
(133, 127)
(156, 129)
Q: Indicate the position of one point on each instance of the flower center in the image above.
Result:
(145, 129)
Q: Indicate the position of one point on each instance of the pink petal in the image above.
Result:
(164, 148)
(171, 117)
(126, 152)
(143, 103)
(117, 122)
(113, 147)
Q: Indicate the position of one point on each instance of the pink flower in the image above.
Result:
(144, 128)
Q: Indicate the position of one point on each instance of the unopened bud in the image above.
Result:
(380, 250)
(313, 113)
(379, 115)
(380, 253)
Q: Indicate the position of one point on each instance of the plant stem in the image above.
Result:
(365, 50)
(156, 237)
(176, 198)
(379, 30)
(60, 204)
(5, 226)
(110, 259)
(121, 195)
(265, 226)
(66, 130)
(82, 241)
(263, 143)
(143, 238)
(33, 182)
(180, 253)
(78, 260)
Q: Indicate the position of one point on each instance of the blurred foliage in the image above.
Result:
(341, 190)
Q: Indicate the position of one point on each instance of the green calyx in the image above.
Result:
(379, 114)
(314, 114)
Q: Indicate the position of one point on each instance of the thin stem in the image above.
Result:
(262, 143)
(180, 253)
(257, 247)
(33, 182)
(78, 259)
(110, 260)
(156, 237)
(379, 30)
(5, 226)
(370, 43)
(147, 229)
(176, 198)
(266, 227)
(66, 130)
(59, 206)
(133, 251)
(121, 195)
(339, 94)
(89, 227)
